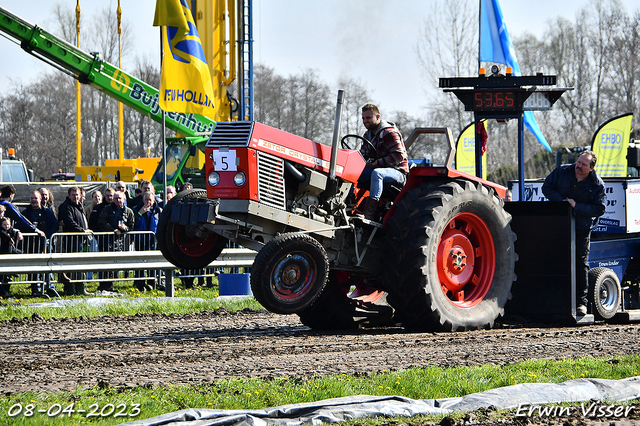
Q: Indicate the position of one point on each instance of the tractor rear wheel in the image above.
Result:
(605, 291)
(184, 245)
(450, 256)
(289, 273)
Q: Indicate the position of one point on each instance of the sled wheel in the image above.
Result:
(185, 245)
(450, 257)
(332, 310)
(605, 290)
(289, 273)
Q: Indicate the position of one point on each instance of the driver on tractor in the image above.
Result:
(386, 158)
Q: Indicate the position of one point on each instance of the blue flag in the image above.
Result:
(495, 46)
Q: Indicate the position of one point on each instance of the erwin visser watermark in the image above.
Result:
(593, 410)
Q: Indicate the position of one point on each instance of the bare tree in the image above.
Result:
(598, 58)
(300, 104)
(100, 135)
(143, 133)
(447, 48)
(55, 119)
(623, 85)
(315, 108)
(269, 97)
(40, 115)
(16, 117)
(355, 96)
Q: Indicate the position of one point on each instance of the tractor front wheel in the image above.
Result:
(289, 273)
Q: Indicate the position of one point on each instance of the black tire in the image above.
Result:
(289, 273)
(605, 291)
(332, 310)
(450, 256)
(180, 244)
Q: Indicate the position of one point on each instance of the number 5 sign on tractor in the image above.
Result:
(224, 161)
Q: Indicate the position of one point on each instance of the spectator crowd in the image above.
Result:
(100, 224)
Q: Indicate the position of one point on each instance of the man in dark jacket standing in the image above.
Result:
(147, 214)
(42, 217)
(71, 214)
(117, 217)
(580, 186)
(45, 220)
(95, 212)
(101, 240)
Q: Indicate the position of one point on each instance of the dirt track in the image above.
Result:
(153, 349)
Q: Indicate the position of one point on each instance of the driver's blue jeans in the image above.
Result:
(376, 178)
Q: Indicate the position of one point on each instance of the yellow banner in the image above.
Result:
(610, 144)
(466, 152)
(169, 13)
(185, 81)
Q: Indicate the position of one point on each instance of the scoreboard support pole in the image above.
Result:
(521, 157)
(478, 146)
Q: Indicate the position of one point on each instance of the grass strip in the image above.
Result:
(17, 304)
(240, 393)
(150, 305)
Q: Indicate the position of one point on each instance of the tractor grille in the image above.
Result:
(271, 180)
(234, 134)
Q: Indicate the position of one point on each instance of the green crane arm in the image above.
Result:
(89, 68)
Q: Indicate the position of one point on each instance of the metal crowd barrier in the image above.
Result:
(101, 254)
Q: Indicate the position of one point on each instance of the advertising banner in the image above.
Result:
(610, 144)
(466, 152)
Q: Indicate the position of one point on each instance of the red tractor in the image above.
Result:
(439, 257)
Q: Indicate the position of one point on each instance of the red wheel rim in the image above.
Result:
(293, 276)
(190, 244)
(466, 260)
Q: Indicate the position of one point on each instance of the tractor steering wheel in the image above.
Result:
(364, 141)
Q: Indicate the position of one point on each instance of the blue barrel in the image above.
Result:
(234, 285)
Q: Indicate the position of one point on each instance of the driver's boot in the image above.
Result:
(370, 208)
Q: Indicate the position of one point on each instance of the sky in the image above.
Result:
(371, 40)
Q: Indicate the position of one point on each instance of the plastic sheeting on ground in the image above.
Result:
(363, 406)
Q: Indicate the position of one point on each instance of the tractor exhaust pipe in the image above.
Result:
(336, 135)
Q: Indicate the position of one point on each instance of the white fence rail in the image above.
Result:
(76, 253)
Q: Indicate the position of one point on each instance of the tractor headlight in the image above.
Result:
(240, 178)
(214, 178)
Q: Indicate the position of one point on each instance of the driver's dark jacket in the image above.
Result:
(588, 194)
(390, 149)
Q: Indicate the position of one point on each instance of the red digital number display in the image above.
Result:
(494, 100)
